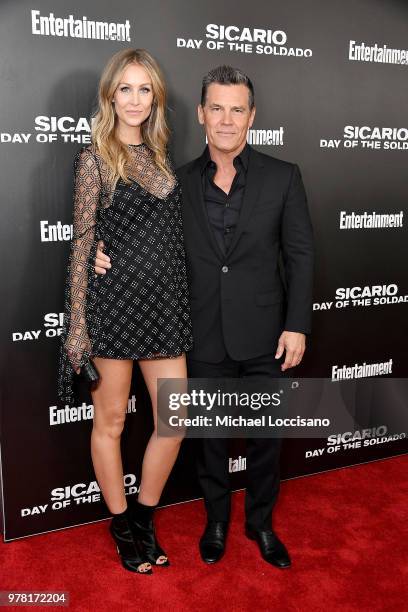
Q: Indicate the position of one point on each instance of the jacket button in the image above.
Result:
(224, 269)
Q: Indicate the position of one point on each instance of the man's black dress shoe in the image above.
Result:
(212, 542)
(272, 549)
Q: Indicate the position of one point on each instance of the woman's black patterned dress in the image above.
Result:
(140, 308)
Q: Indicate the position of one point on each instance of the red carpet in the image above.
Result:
(346, 531)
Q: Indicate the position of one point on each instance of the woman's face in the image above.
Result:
(133, 97)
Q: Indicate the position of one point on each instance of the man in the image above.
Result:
(242, 210)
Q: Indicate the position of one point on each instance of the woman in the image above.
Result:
(127, 195)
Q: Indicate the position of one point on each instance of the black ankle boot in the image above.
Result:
(141, 522)
(128, 547)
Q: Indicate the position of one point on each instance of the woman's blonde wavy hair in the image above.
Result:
(154, 131)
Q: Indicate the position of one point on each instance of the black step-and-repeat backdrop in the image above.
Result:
(331, 89)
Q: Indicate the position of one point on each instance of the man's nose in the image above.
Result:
(227, 117)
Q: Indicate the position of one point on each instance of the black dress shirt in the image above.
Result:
(223, 209)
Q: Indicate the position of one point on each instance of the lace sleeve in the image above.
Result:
(87, 187)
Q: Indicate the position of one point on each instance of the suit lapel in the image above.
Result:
(254, 179)
(196, 197)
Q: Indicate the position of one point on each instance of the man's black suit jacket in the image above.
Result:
(239, 300)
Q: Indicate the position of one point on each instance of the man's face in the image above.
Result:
(226, 116)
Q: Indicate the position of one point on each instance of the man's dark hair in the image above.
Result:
(227, 75)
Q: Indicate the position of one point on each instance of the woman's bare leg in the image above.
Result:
(161, 452)
(110, 399)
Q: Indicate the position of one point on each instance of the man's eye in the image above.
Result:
(215, 108)
(238, 110)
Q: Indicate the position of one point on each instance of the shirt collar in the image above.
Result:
(243, 157)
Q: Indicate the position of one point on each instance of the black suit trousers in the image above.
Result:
(263, 454)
